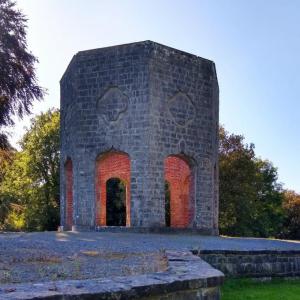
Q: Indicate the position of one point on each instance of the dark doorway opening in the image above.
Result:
(167, 204)
(115, 202)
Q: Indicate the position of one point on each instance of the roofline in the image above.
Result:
(83, 52)
(145, 41)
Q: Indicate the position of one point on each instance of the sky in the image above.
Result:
(255, 45)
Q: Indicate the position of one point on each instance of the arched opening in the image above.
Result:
(69, 192)
(178, 190)
(167, 204)
(113, 177)
(115, 202)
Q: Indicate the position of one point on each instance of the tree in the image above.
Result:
(6, 158)
(250, 197)
(18, 83)
(30, 189)
(237, 172)
(291, 206)
(269, 198)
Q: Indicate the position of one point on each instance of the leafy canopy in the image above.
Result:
(30, 188)
(250, 197)
(18, 83)
(291, 206)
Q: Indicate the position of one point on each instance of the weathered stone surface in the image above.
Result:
(112, 104)
(263, 253)
(182, 109)
(264, 263)
(188, 277)
(149, 101)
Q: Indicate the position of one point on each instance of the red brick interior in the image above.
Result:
(111, 165)
(69, 192)
(178, 175)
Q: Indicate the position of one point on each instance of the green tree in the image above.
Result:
(6, 158)
(269, 198)
(18, 83)
(30, 188)
(250, 197)
(291, 207)
(237, 171)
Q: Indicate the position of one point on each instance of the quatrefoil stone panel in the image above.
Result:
(182, 109)
(112, 104)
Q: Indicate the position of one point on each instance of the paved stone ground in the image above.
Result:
(43, 256)
(72, 242)
(187, 277)
(48, 256)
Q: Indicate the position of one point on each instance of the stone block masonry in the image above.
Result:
(69, 192)
(153, 104)
(258, 263)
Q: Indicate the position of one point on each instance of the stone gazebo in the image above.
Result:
(147, 115)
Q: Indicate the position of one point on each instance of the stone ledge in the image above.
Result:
(246, 252)
(163, 230)
(260, 263)
(187, 277)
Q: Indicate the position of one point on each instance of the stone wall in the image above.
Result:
(69, 193)
(265, 263)
(184, 118)
(149, 101)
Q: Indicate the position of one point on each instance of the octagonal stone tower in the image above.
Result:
(146, 115)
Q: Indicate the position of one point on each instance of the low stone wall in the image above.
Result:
(266, 263)
(188, 277)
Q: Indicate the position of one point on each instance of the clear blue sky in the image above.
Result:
(255, 45)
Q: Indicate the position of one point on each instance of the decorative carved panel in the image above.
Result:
(182, 109)
(112, 104)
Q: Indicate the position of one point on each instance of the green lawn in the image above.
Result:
(248, 289)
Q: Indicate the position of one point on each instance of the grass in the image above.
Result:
(249, 289)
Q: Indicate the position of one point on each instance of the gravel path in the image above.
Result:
(44, 256)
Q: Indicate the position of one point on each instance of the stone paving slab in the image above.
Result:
(188, 277)
(40, 257)
(71, 242)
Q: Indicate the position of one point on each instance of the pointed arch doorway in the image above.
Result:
(178, 192)
(113, 189)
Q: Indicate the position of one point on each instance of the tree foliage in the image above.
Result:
(6, 158)
(18, 83)
(291, 206)
(250, 197)
(30, 188)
